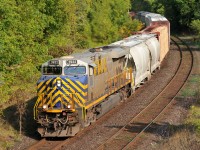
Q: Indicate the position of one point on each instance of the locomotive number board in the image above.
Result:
(71, 61)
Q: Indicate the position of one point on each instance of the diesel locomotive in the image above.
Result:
(76, 90)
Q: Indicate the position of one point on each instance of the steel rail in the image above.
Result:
(45, 144)
(34, 146)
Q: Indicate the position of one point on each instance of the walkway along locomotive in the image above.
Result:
(75, 90)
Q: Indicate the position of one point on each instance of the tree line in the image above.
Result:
(33, 31)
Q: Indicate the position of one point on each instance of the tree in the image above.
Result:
(20, 97)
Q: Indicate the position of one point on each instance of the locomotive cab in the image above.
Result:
(62, 90)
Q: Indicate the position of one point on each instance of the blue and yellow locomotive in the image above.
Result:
(75, 90)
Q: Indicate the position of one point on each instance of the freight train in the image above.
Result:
(76, 90)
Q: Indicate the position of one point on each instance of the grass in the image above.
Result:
(183, 140)
(8, 136)
(192, 87)
(195, 79)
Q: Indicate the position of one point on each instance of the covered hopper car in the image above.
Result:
(75, 90)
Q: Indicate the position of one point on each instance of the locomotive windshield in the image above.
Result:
(52, 70)
(73, 70)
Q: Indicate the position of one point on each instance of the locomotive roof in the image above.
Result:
(114, 50)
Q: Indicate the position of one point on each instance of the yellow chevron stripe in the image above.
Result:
(59, 92)
(49, 88)
(83, 93)
(45, 100)
(83, 100)
(39, 85)
(40, 104)
(53, 90)
(67, 99)
(47, 83)
(50, 100)
(42, 89)
(82, 85)
(56, 94)
(57, 100)
(77, 101)
(65, 102)
(79, 90)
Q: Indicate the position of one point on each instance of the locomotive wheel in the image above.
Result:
(86, 123)
(91, 117)
(124, 95)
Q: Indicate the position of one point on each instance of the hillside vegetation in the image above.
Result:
(33, 31)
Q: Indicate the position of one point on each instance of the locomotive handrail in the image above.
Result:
(119, 80)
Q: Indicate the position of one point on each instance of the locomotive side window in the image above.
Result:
(48, 70)
(73, 70)
(91, 71)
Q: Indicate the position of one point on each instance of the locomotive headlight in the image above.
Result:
(59, 83)
(45, 107)
(69, 106)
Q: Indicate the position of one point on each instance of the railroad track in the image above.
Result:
(46, 144)
(140, 123)
(126, 137)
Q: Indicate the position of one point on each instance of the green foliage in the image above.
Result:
(142, 5)
(187, 92)
(130, 27)
(194, 117)
(187, 11)
(195, 25)
(109, 20)
(194, 79)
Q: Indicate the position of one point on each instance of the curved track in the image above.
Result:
(126, 136)
(146, 117)
(46, 144)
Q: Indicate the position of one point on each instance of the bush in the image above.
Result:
(195, 26)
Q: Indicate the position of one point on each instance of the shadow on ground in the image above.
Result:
(29, 124)
(163, 129)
